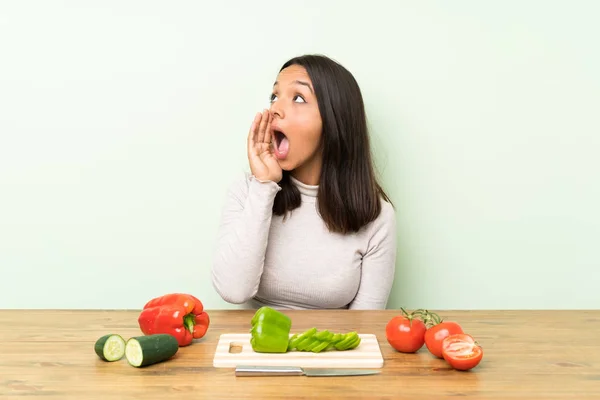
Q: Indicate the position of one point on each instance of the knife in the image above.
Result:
(250, 370)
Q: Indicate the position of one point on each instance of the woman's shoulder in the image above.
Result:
(387, 215)
(385, 221)
(241, 183)
(240, 180)
(237, 185)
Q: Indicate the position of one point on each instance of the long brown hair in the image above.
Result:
(349, 193)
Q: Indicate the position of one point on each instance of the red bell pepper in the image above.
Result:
(181, 315)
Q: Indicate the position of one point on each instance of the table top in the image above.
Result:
(527, 355)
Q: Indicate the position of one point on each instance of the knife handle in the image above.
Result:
(252, 370)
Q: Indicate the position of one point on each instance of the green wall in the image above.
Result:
(123, 123)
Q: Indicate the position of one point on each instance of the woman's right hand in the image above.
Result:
(263, 163)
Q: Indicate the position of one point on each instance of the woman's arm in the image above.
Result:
(242, 239)
(378, 263)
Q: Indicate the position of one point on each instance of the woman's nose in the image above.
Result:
(276, 110)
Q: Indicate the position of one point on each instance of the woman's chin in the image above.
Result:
(285, 164)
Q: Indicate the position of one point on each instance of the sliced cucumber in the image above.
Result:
(110, 347)
(147, 350)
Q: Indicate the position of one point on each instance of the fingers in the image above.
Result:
(268, 132)
(253, 130)
(263, 125)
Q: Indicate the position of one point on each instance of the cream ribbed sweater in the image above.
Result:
(260, 259)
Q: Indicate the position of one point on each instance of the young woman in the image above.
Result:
(309, 227)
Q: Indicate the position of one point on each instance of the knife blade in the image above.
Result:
(253, 370)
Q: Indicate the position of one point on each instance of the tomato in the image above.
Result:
(405, 333)
(436, 334)
(461, 351)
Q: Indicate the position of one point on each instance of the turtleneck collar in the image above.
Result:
(307, 190)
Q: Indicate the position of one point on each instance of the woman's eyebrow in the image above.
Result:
(297, 82)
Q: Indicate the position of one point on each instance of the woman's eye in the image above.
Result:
(297, 98)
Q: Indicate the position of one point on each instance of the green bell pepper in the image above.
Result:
(270, 331)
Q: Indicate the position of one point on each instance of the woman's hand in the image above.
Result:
(263, 163)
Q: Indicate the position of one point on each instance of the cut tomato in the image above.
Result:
(461, 351)
(435, 335)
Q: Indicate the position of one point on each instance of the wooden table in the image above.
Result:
(528, 355)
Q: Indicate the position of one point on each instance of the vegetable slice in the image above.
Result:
(461, 352)
(317, 341)
(142, 351)
(110, 347)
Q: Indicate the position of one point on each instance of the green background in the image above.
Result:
(123, 122)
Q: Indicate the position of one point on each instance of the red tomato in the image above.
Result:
(405, 333)
(461, 351)
(436, 334)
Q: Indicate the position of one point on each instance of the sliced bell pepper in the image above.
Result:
(270, 331)
(181, 315)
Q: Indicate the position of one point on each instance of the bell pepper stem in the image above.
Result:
(189, 322)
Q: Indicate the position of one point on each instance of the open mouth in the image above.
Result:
(278, 136)
(281, 144)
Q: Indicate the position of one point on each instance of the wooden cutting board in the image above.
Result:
(235, 349)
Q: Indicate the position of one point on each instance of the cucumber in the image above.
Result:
(110, 347)
(151, 349)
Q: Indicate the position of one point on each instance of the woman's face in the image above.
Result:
(297, 124)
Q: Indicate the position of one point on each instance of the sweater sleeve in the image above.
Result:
(242, 239)
(378, 263)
